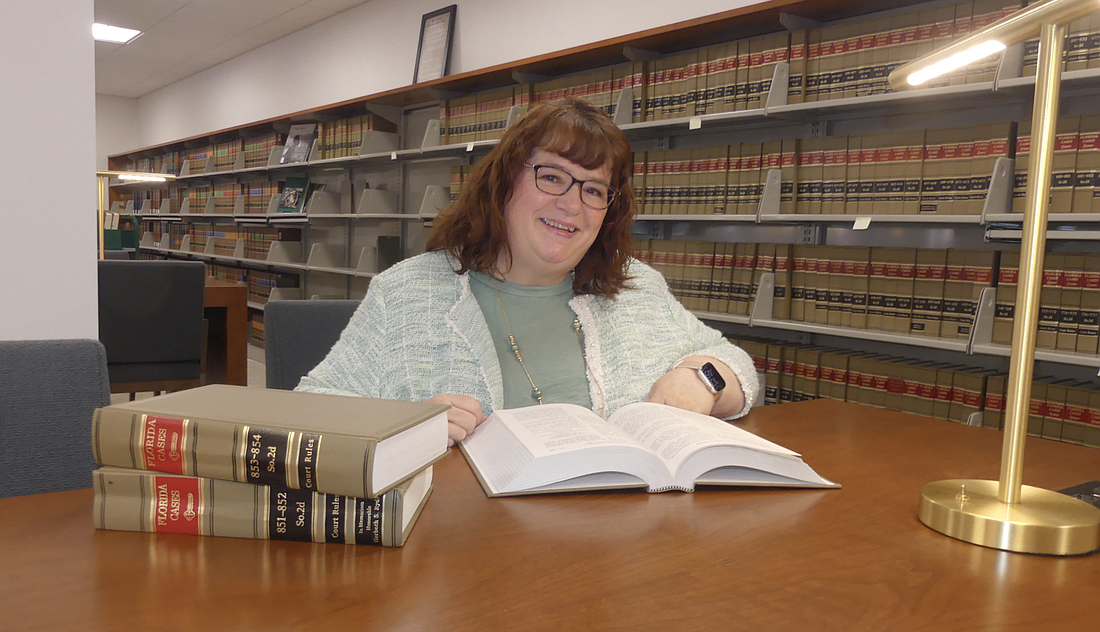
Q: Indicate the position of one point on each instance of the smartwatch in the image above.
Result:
(707, 373)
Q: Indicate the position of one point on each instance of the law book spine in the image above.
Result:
(335, 464)
(130, 500)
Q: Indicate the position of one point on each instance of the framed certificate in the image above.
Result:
(433, 53)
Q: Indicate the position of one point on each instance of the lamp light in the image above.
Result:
(1012, 29)
(1006, 514)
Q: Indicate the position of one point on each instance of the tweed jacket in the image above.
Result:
(420, 332)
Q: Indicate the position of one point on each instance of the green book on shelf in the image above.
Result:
(293, 197)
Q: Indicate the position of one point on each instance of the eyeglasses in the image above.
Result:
(557, 181)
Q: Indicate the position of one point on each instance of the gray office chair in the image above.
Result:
(299, 334)
(48, 390)
(150, 322)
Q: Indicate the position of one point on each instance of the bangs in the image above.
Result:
(579, 141)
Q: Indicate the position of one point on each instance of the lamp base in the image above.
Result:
(1043, 522)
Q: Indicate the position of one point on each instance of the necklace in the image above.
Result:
(535, 392)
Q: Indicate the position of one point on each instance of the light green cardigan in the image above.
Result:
(420, 332)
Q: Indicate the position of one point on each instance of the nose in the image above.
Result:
(571, 201)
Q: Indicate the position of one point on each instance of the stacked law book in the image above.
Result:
(1060, 409)
(244, 462)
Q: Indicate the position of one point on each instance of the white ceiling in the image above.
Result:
(183, 37)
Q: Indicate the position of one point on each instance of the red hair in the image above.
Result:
(473, 230)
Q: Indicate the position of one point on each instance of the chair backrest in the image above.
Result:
(151, 312)
(299, 334)
(48, 390)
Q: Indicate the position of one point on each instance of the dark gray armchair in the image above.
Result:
(150, 322)
(48, 390)
(299, 334)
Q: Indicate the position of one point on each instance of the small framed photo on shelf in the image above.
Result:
(433, 53)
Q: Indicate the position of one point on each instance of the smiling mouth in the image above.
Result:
(552, 224)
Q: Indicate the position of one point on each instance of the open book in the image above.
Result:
(564, 447)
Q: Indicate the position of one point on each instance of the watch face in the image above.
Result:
(713, 376)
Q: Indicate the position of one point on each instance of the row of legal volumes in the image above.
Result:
(921, 292)
(1061, 409)
(845, 60)
(929, 172)
(268, 464)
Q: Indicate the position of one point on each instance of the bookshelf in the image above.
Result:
(382, 186)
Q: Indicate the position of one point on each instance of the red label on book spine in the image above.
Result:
(176, 505)
(162, 440)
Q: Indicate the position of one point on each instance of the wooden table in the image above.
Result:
(852, 559)
(225, 306)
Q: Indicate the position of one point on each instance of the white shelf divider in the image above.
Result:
(285, 294)
(765, 298)
(982, 332)
(436, 198)
(323, 203)
(624, 107)
(326, 256)
(431, 135)
(375, 142)
(286, 252)
(777, 91)
(768, 209)
(368, 261)
(377, 202)
(998, 200)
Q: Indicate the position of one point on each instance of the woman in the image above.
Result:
(527, 294)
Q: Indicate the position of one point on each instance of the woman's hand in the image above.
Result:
(682, 388)
(463, 416)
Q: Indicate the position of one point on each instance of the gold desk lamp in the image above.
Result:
(1006, 514)
(104, 179)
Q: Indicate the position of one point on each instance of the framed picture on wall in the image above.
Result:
(433, 53)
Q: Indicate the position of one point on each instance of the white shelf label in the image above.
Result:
(393, 155)
(862, 223)
(695, 122)
(469, 147)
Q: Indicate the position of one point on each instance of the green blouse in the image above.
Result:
(542, 324)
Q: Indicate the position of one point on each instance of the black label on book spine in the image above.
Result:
(265, 456)
(338, 511)
(291, 515)
(368, 520)
(307, 461)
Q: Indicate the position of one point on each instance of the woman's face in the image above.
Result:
(549, 234)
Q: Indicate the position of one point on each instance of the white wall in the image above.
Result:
(116, 127)
(48, 240)
(372, 48)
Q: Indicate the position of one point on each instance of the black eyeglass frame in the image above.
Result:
(612, 192)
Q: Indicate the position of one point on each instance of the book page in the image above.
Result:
(558, 428)
(674, 434)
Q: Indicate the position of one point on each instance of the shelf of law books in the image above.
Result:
(1062, 409)
(950, 299)
(788, 142)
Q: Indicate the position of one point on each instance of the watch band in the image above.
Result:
(708, 375)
